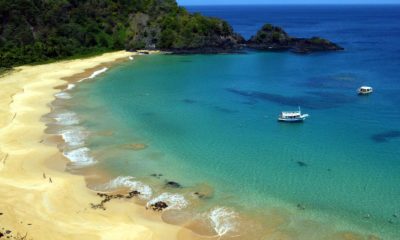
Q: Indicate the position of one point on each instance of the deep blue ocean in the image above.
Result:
(210, 122)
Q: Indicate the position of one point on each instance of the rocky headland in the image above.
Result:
(273, 38)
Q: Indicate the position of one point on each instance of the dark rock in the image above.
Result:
(158, 206)
(273, 38)
(1, 235)
(8, 231)
(133, 194)
(173, 184)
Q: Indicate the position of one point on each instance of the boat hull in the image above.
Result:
(291, 120)
(300, 118)
(364, 93)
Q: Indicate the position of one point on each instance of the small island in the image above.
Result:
(273, 38)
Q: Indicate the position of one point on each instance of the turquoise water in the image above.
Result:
(211, 119)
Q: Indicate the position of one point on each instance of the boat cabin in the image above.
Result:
(365, 90)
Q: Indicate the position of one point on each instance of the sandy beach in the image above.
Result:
(38, 198)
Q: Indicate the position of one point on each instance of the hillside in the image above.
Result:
(38, 30)
(34, 31)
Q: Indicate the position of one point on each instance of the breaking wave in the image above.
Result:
(63, 95)
(223, 220)
(174, 201)
(95, 73)
(70, 86)
(67, 118)
(74, 136)
(128, 182)
(80, 157)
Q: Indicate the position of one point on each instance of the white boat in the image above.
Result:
(293, 116)
(364, 90)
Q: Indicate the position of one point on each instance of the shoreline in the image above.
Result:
(36, 189)
(50, 189)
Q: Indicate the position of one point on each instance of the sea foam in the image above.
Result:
(70, 86)
(74, 136)
(80, 157)
(63, 95)
(127, 182)
(174, 201)
(95, 73)
(223, 220)
(66, 118)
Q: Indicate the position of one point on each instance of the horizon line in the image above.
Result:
(295, 4)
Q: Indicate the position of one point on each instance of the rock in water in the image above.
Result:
(136, 146)
(173, 184)
(159, 206)
(302, 164)
(273, 38)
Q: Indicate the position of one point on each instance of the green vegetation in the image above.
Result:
(273, 38)
(270, 34)
(33, 31)
(319, 41)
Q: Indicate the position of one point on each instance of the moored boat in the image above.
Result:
(293, 116)
(365, 90)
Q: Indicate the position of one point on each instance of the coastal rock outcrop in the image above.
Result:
(273, 38)
(182, 33)
(87, 27)
(158, 206)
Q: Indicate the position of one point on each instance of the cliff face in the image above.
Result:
(272, 38)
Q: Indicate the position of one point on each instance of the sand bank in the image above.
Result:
(37, 197)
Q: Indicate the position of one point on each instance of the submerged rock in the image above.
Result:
(173, 184)
(301, 206)
(202, 191)
(136, 146)
(385, 136)
(200, 195)
(159, 175)
(302, 164)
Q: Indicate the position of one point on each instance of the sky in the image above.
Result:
(231, 2)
